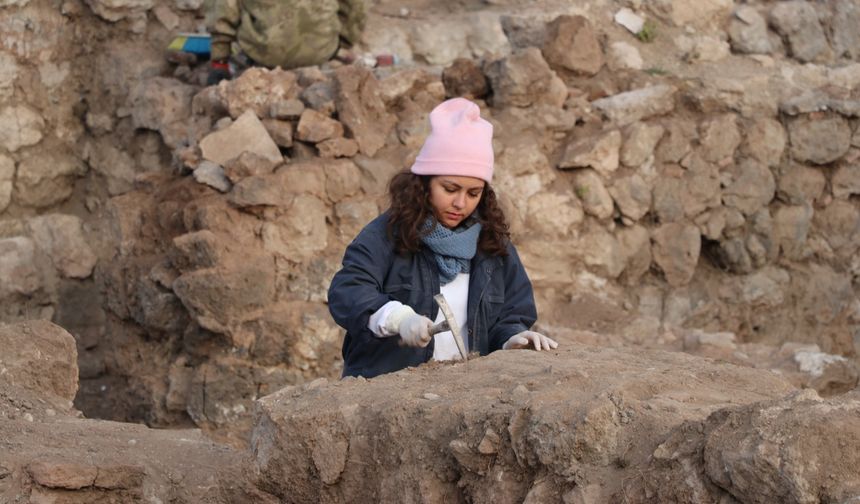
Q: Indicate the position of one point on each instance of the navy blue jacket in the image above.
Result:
(501, 301)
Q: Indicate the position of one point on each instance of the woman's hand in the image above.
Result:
(415, 330)
(530, 339)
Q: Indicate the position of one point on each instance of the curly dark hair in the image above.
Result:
(405, 216)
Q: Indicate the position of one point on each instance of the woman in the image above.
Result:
(443, 232)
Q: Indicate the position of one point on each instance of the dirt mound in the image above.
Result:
(48, 454)
(577, 424)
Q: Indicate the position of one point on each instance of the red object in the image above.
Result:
(220, 65)
(385, 60)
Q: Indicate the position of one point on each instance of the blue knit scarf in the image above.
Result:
(453, 248)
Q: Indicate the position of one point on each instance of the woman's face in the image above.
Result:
(454, 198)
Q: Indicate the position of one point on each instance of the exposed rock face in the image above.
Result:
(754, 453)
(523, 436)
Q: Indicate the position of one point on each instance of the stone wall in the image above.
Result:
(706, 180)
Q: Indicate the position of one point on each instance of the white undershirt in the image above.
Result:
(456, 292)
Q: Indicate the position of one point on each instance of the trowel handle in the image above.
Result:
(440, 327)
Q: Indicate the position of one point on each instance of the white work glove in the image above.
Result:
(413, 329)
(529, 339)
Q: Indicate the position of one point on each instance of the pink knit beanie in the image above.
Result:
(460, 142)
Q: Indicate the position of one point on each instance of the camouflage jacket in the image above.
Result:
(285, 33)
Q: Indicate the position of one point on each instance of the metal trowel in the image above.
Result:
(449, 324)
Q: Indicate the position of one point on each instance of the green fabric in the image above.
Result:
(285, 33)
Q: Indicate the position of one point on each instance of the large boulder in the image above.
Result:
(796, 449)
(786, 450)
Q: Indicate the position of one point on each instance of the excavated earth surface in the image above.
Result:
(686, 200)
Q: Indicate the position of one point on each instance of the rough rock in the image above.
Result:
(20, 271)
(113, 163)
(678, 140)
(839, 223)
(464, 78)
(752, 187)
(631, 106)
(846, 40)
(62, 238)
(211, 174)
(307, 439)
(799, 184)
(798, 22)
(791, 228)
(320, 96)
(845, 181)
(786, 450)
(337, 148)
(635, 248)
(158, 102)
(589, 187)
(219, 299)
(623, 56)
(246, 164)
(601, 252)
(748, 31)
(246, 134)
(258, 89)
(719, 138)
(361, 109)
(280, 131)
(20, 126)
(820, 140)
(288, 109)
(765, 141)
(632, 194)
(315, 127)
(600, 152)
(523, 79)
(565, 208)
(641, 139)
(571, 43)
(46, 178)
(7, 177)
(676, 251)
(40, 357)
(298, 235)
